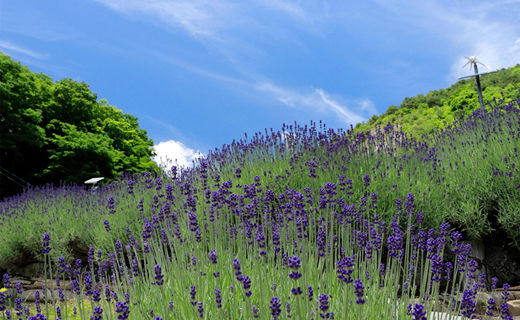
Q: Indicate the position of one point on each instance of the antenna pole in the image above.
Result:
(479, 89)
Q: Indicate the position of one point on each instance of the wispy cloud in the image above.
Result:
(287, 7)
(229, 28)
(9, 46)
(198, 70)
(210, 19)
(173, 152)
(199, 18)
(482, 28)
(316, 100)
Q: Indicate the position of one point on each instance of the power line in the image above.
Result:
(11, 176)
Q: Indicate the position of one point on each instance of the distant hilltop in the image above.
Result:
(426, 113)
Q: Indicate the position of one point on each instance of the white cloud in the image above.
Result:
(9, 46)
(287, 7)
(483, 29)
(199, 18)
(367, 105)
(315, 100)
(173, 152)
(499, 51)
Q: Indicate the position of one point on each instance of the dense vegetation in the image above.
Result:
(305, 221)
(59, 131)
(436, 109)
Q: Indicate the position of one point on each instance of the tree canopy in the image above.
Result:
(58, 131)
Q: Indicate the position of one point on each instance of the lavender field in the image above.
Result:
(303, 223)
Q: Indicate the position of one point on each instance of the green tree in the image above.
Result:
(60, 131)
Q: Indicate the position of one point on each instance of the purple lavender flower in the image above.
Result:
(444, 230)
(260, 239)
(296, 291)
(311, 293)
(107, 225)
(491, 307)
(437, 267)
(88, 284)
(505, 312)
(164, 237)
(409, 204)
(45, 243)
(276, 240)
(324, 307)
(418, 312)
(255, 312)
(2, 301)
(158, 275)
(123, 310)
(294, 264)
(366, 180)
(494, 281)
(448, 269)
(398, 206)
(288, 309)
(6, 281)
(238, 272)
(135, 268)
(505, 292)
(96, 295)
(213, 256)
(246, 282)
(111, 205)
(75, 287)
(468, 303)
(200, 309)
(173, 172)
(18, 286)
(312, 169)
(276, 307)
(58, 313)
(18, 306)
(344, 269)
(359, 291)
(130, 187)
(194, 225)
(218, 298)
(147, 229)
(193, 293)
(321, 242)
(97, 314)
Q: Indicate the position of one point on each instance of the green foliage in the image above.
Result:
(60, 131)
(427, 113)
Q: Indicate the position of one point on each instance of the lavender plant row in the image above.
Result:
(301, 223)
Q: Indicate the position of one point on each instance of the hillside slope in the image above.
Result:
(426, 113)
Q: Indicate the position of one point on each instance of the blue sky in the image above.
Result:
(199, 74)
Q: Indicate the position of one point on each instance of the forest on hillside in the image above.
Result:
(59, 131)
(426, 113)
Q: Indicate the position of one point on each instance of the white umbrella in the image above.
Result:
(94, 180)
